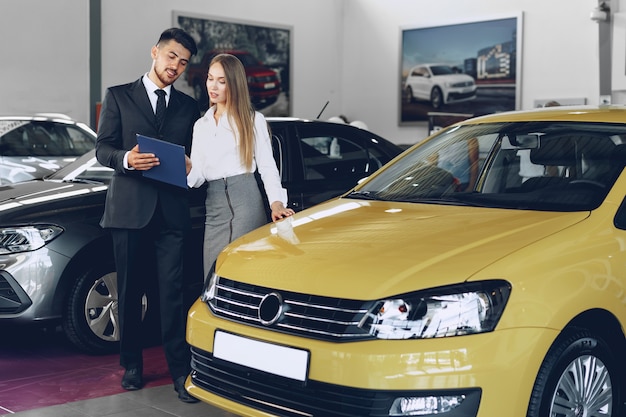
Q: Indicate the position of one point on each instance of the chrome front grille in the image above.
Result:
(463, 84)
(334, 319)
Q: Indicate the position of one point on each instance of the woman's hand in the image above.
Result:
(187, 164)
(279, 211)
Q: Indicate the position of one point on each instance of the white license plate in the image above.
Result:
(267, 357)
(269, 85)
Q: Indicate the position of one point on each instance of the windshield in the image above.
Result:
(556, 166)
(441, 70)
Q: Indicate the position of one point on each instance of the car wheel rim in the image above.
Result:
(101, 311)
(101, 308)
(584, 390)
(408, 95)
(436, 98)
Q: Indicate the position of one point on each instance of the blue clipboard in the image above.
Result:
(171, 169)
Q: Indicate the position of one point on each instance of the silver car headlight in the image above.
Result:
(462, 309)
(27, 238)
(208, 292)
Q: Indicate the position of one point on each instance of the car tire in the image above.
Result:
(408, 95)
(436, 98)
(91, 320)
(579, 376)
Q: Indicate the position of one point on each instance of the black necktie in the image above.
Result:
(160, 108)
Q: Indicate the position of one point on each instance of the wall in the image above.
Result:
(45, 57)
(316, 41)
(559, 57)
(345, 51)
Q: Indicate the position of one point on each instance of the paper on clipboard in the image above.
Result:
(171, 168)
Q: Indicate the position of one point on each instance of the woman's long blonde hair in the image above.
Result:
(238, 105)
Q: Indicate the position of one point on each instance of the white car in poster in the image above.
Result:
(439, 84)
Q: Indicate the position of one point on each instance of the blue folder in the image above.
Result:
(171, 169)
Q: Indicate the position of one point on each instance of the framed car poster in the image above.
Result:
(467, 67)
(264, 50)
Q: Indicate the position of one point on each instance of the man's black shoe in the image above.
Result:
(132, 379)
(183, 395)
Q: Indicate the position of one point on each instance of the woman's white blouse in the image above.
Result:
(215, 154)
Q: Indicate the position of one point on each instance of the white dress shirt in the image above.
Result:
(215, 154)
(150, 87)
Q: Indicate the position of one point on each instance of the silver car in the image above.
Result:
(56, 262)
(34, 146)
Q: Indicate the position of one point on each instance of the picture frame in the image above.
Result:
(547, 102)
(264, 49)
(439, 63)
(618, 67)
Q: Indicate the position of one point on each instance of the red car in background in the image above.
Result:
(263, 82)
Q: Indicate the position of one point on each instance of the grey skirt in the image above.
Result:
(234, 207)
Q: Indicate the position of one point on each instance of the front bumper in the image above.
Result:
(28, 286)
(363, 378)
(456, 96)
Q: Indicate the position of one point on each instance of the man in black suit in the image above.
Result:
(149, 219)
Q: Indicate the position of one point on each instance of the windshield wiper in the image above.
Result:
(365, 195)
(82, 181)
(448, 201)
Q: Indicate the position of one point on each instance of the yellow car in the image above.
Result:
(480, 273)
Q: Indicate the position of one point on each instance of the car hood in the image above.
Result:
(34, 196)
(258, 71)
(392, 246)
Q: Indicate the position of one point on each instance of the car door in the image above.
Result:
(422, 83)
(333, 158)
(282, 149)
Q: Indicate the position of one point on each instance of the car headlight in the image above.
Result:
(208, 291)
(26, 238)
(456, 310)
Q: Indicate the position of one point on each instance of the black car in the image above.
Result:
(321, 160)
(56, 262)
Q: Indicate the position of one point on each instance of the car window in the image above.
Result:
(77, 141)
(331, 157)
(248, 60)
(554, 166)
(420, 72)
(12, 139)
(45, 139)
(441, 70)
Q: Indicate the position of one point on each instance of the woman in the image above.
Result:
(230, 142)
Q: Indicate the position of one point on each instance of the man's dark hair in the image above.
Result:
(181, 37)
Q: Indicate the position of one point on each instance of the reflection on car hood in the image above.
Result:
(42, 193)
(345, 237)
(25, 168)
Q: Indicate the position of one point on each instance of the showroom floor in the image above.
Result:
(41, 375)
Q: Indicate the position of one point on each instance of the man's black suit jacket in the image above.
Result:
(132, 199)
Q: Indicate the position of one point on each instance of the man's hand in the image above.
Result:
(141, 161)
